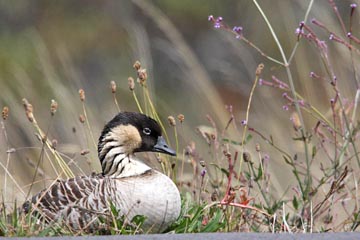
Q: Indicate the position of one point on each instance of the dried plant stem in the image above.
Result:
(247, 119)
(352, 54)
(246, 207)
(297, 43)
(263, 194)
(335, 9)
(8, 154)
(227, 199)
(350, 129)
(308, 179)
(137, 102)
(182, 155)
(116, 102)
(12, 178)
(287, 157)
(177, 150)
(260, 51)
(182, 166)
(72, 161)
(353, 120)
(146, 99)
(7, 167)
(357, 81)
(313, 111)
(154, 113)
(287, 227)
(88, 125)
(41, 157)
(151, 108)
(60, 161)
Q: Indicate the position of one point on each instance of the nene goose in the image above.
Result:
(128, 184)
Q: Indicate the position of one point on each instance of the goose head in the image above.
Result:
(126, 134)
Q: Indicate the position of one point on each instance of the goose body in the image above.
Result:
(128, 184)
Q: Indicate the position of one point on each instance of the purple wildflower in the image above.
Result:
(238, 29)
(353, 5)
(285, 107)
(299, 31)
(314, 75)
(203, 172)
(218, 21)
(243, 122)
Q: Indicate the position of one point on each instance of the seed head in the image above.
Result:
(214, 196)
(53, 107)
(142, 76)
(257, 147)
(28, 110)
(295, 121)
(82, 118)
(54, 144)
(172, 121)
(113, 86)
(82, 94)
(181, 118)
(84, 152)
(131, 83)
(247, 157)
(5, 113)
(259, 69)
(137, 65)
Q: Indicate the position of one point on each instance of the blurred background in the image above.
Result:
(51, 49)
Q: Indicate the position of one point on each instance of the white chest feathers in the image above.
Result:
(152, 194)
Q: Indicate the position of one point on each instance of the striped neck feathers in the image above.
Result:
(115, 149)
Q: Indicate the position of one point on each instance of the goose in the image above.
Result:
(126, 183)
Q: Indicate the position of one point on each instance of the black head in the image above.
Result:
(136, 132)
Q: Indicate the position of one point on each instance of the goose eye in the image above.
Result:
(147, 131)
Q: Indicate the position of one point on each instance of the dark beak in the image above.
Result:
(162, 147)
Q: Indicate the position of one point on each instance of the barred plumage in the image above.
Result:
(130, 185)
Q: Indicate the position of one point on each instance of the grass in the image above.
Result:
(233, 190)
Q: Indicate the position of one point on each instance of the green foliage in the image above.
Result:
(197, 218)
(19, 224)
(119, 224)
